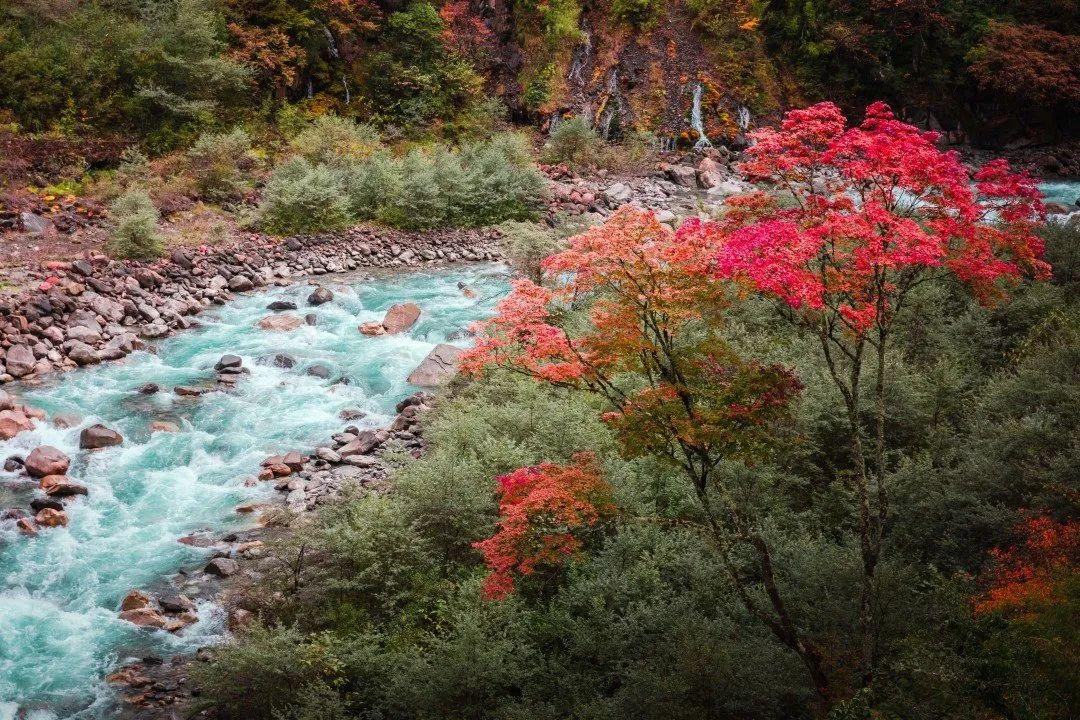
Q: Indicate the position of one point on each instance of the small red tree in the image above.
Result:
(540, 509)
(1027, 577)
(877, 209)
(651, 347)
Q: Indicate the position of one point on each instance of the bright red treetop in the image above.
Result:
(875, 205)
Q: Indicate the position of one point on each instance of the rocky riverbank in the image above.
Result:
(351, 461)
(94, 309)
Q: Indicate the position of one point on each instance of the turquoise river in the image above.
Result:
(59, 592)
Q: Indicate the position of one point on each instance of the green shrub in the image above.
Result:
(135, 235)
(331, 139)
(572, 142)
(525, 245)
(134, 167)
(218, 163)
(483, 183)
(301, 197)
(373, 185)
(642, 14)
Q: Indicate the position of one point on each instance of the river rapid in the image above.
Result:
(60, 591)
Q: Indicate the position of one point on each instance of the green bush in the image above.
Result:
(374, 185)
(301, 197)
(134, 168)
(135, 235)
(641, 14)
(331, 139)
(573, 142)
(218, 163)
(481, 184)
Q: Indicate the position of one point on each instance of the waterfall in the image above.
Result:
(611, 105)
(696, 121)
(742, 117)
(332, 49)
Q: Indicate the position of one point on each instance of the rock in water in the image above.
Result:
(144, 618)
(13, 422)
(99, 436)
(135, 600)
(227, 362)
(373, 329)
(401, 317)
(61, 486)
(280, 323)
(46, 460)
(50, 517)
(319, 371)
(438, 367)
(222, 567)
(279, 305)
(321, 296)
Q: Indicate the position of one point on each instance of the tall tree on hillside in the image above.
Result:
(877, 210)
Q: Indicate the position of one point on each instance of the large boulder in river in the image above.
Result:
(50, 517)
(13, 422)
(61, 486)
(438, 367)
(279, 305)
(20, 361)
(99, 436)
(46, 460)
(228, 362)
(320, 296)
(280, 323)
(145, 618)
(401, 317)
(364, 443)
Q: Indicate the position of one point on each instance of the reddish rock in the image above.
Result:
(66, 420)
(364, 443)
(190, 390)
(49, 517)
(280, 323)
(13, 422)
(61, 486)
(26, 526)
(280, 470)
(163, 426)
(20, 361)
(135, 600)
(98, 436)
(266, 474)
(373, 329)
(131, 676)
(145, 618)
(294, 460)
(46, 460)
(401, 317)
(181, 621)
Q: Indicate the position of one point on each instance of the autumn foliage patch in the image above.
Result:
(541, 510)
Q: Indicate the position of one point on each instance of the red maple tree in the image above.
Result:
(871, 212)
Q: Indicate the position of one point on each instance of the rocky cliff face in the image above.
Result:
(624, 78)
